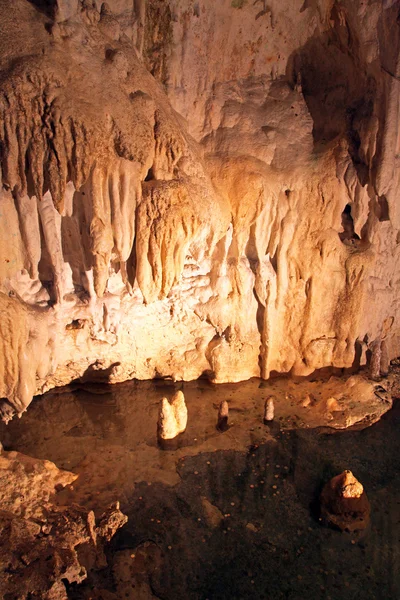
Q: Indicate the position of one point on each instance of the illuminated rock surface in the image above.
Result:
(196, 188)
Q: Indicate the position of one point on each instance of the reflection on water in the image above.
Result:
(227, 515)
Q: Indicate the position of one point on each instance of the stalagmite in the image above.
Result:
(385, 362)
(375, 364)
(180, 411)
(269, 410)
(344, 503)
(166, 427)
(223, 414)
(298, 86)
(172, 419)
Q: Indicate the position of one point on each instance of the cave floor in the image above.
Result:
(224, 515)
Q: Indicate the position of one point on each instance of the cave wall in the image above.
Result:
(196, 188)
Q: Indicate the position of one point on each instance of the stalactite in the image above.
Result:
(230, 255)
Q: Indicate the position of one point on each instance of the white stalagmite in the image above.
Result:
(172, 419)
(269, 409)
(166, 426)
(180, 411)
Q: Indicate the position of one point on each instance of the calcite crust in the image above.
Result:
(193, 191)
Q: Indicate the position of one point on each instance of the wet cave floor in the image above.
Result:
(230, 515)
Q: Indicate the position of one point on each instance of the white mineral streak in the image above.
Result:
(241, 221)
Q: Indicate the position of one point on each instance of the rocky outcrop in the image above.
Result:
(169, 209)
(42, 544)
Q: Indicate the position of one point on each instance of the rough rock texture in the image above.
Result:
(195, 188)
(344, 503)
(27, 484)
(43, 545)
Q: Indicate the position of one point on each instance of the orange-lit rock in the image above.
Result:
(44, 544)
(344, 503)
(189, 192)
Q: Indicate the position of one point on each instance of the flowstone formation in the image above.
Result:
(169, 209)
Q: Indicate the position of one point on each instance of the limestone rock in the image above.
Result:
(166, 426)
(206, 190)
(380, 361)
(110, 521)
(308, 401)
(344, 503)
(39, 539)
(28, 484)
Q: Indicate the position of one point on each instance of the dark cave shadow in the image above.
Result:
(94, 374)
(47, 7)
(337, 92)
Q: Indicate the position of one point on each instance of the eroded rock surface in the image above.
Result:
(196, 188)
(42, 544)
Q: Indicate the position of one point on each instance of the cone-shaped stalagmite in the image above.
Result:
(269, 409)
(223, 413)
(172, 418)
(344, 503)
